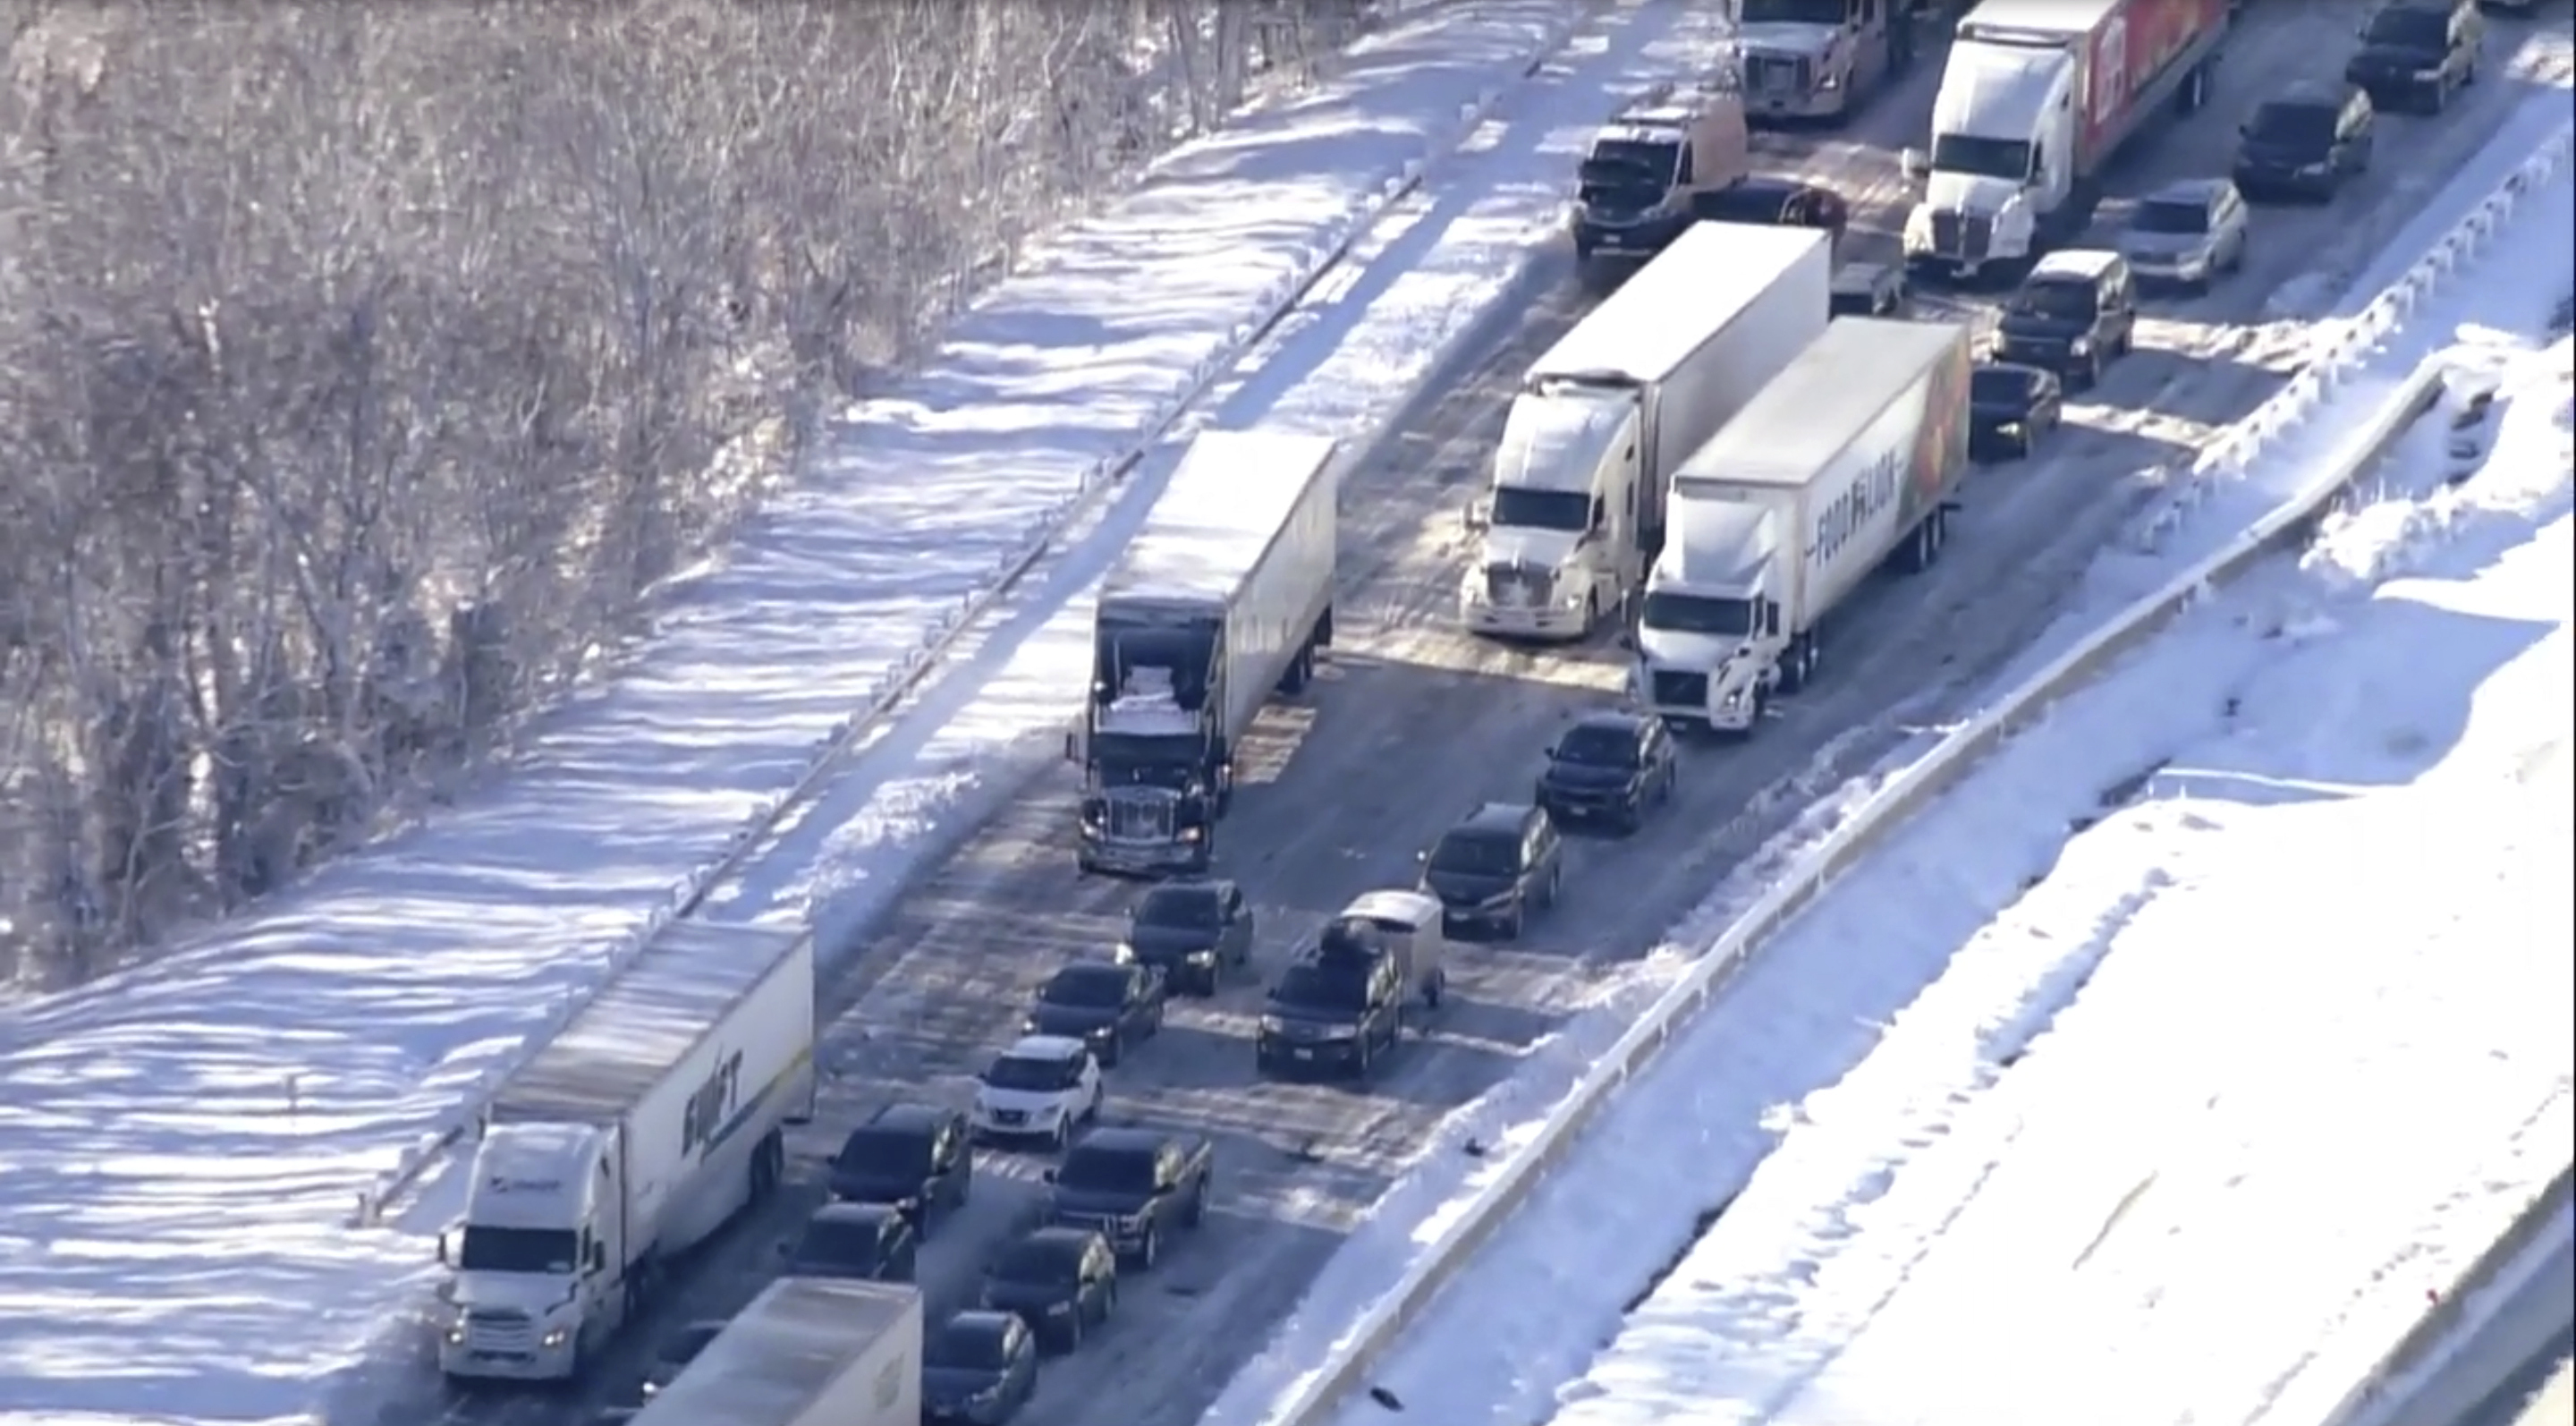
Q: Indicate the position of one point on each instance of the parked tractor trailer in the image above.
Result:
(1846, 461)
(1577, 504)
(806, 1352)
(2037, 97)
(1225, 596)
(641, 1128)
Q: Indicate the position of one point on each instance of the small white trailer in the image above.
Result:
(806, 1352)
(1849, 458)
(1224, 596)
(644, 1126)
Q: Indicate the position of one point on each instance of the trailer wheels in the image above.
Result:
(768, 1166)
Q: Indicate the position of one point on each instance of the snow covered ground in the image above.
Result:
(1843, 998)
(183, 1140)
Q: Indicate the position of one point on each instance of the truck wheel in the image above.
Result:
(1434, 988)
(768, 1162)
(1149, 1249)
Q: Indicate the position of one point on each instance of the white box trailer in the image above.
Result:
(644, 1126)
(1577, 504)
(806, 1352)
(1850, 457)
(1225, 596)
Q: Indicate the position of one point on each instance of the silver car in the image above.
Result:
(2186, 234)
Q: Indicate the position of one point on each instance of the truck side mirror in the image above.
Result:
(444, 1258)
(1915, 164)
(1627, 640)
(1046, 1176)
(598, 1256)
(1072, 753)
(1477, 517)
(1771, 618)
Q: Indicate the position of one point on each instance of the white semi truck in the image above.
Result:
(1577, 504)
(1225, 595)
(1848, 459)
(2037, 97)
(806, 1352)
(644, 1126)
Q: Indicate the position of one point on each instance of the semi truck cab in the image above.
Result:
(1708, 628)
(2002, 156)
(1818, 59)
(536, 1267)
(1559, 525)
(1158, 770)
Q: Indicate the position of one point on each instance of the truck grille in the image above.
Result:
(500, 1330)
(1676, 688)
(1514, 586)
(1135, 818)
(1010, 1116)
(1775, 74)
(1963, 235)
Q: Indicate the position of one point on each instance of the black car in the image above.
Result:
(1869, 289)
(2415, 53)
(1192, 931)
(1612, 767)
(1107, 1005)
(1133, 1187)
(870, 1241)
(1062, 1281)
(2306, 143)
(2009, 408)
(675, 1353)
(1492, 869)
(1331, 1013)
(2075, 314)
(978, 1368)
(1775, 203)
(917, 1157)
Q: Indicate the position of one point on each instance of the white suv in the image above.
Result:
(1043, 1087)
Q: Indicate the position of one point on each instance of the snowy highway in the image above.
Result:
(1412, 723)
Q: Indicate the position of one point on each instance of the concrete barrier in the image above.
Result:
(897, 682)
(2342, 357)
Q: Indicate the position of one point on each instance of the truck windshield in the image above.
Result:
(1697, 614)
(1521, 507)
(2407, 27)
(1108, 1172)
(517, 1250)
(1792, 12)
(1981, 157)
(1151, 759)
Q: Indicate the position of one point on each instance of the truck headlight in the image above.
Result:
(1192, 834)
(1201, 958)
(1273, 1025)
(2081, 346)
(456, 1333)
(555, 1337)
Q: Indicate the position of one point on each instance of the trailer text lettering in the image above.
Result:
(711, 1104)
(1850, 512)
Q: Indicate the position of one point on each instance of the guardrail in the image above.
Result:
(897, 682)
(2458, 1308)
(2340, 358)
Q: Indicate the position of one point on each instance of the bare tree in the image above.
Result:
(361, 368)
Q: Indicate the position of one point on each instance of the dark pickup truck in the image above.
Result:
(1133, 1186)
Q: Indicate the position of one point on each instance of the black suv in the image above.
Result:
(1611, 767)
(1131, 1186)
(869, 1241)
(2306, 144)
(916, 1157)
(1194, 931)
(1775, 203)
(1334, 1011)
(1494, 867)
(2416, 52)
(2075, 314)
(2009, 408)
(1107, 1005)
(1061, 1281)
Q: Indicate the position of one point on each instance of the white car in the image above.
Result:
(1043, 1087)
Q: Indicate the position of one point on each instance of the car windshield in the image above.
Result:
(2176, 216)
(1999, 386)
(1593, 746)
(837, 1242)
(1191, 908)
(1039, 1264)
(1087, 988)
(685, 1344)
(1477, 854)
(1107, 1171)
(966, 1346)
(517, 1250)
(2301, 126)
(1629, 163)
(1524, 508)
(886, 1151)
(2057, 301)
(1028, 1073)
(2406, 27)
(1717, 615)
(1323, 985)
